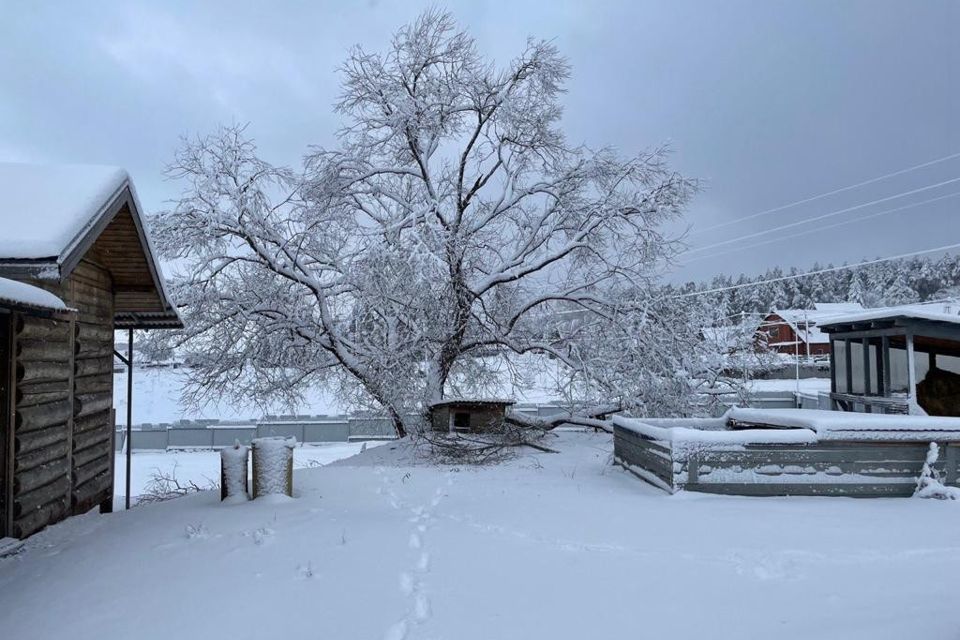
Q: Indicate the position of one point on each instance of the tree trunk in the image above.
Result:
(398, 425)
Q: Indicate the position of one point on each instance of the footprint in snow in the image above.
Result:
(407, 584)
(397, 631)
(421, 607)
(423, 564)
(415, 541)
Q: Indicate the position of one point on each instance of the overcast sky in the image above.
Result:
(768, 102)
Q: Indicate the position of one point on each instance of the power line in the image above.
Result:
(824, 195)
(819, 271)
(820, 217)
(823, 228)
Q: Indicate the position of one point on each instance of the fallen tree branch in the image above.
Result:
(589, 418)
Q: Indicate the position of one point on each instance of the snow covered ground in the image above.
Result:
(203, 467)
(547, 546)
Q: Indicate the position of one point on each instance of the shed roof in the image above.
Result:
(840, 425)
(472, 401)
(948, 312)
(54, 214)
(806, 323)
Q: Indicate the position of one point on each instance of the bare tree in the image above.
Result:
(453, 219)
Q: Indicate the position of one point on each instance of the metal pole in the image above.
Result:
(129, 411)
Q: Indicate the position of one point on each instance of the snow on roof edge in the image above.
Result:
(22, 294)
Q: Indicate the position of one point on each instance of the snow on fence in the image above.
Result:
(215, 434)
(824, 453)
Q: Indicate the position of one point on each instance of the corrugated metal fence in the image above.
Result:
(213, 434)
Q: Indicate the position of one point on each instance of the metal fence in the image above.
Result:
(215, 434)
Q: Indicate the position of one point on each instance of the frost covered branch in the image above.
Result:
(452, 220)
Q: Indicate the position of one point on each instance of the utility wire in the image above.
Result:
(820, 271)
(824, 195)
(823, 228)
(820, 217)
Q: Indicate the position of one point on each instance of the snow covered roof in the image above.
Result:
(690, 434)
(806, 322)
(935, 312)
(20, 294)
(46, 209)
(840, 425)
(471, 401)
(53, 214)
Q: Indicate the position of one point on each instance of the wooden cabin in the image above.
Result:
(797, 331)
(897, 360)
(469, 416)
(75, 232)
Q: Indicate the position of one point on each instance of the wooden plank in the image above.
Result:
(98, 383)
(42, 371)
(46, 350)
(94, 332)
(43, 415)
(33, 328)
(93, 366)
(92, 451)
(858, 490)
(62, 394)
(39, 476)
(53, 491)
(95, 436)
(93, 492)
(33, 440)
(90, 403)
(84, 473)
(37, 519)
(92, 421)
(37, 457)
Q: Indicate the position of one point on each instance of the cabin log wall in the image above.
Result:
(63, 399)
(89, 289)
(42, 419)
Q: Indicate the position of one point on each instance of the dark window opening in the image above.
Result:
(461, 421)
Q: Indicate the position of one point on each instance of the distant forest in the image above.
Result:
(906, 281)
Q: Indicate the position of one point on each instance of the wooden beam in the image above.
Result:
(885, 360)
(911, 373)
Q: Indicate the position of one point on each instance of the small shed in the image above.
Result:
(76, 259)
(902, 359)
(469, 415)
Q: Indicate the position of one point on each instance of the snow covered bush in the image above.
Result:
(928, 484)
(452, 220)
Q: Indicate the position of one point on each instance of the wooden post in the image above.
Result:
(833, 372)
(129, 443)
(866, 374)
(911, 374)
(885, 359)
(849, 368)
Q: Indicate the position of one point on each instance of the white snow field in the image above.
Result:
(554, 546)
